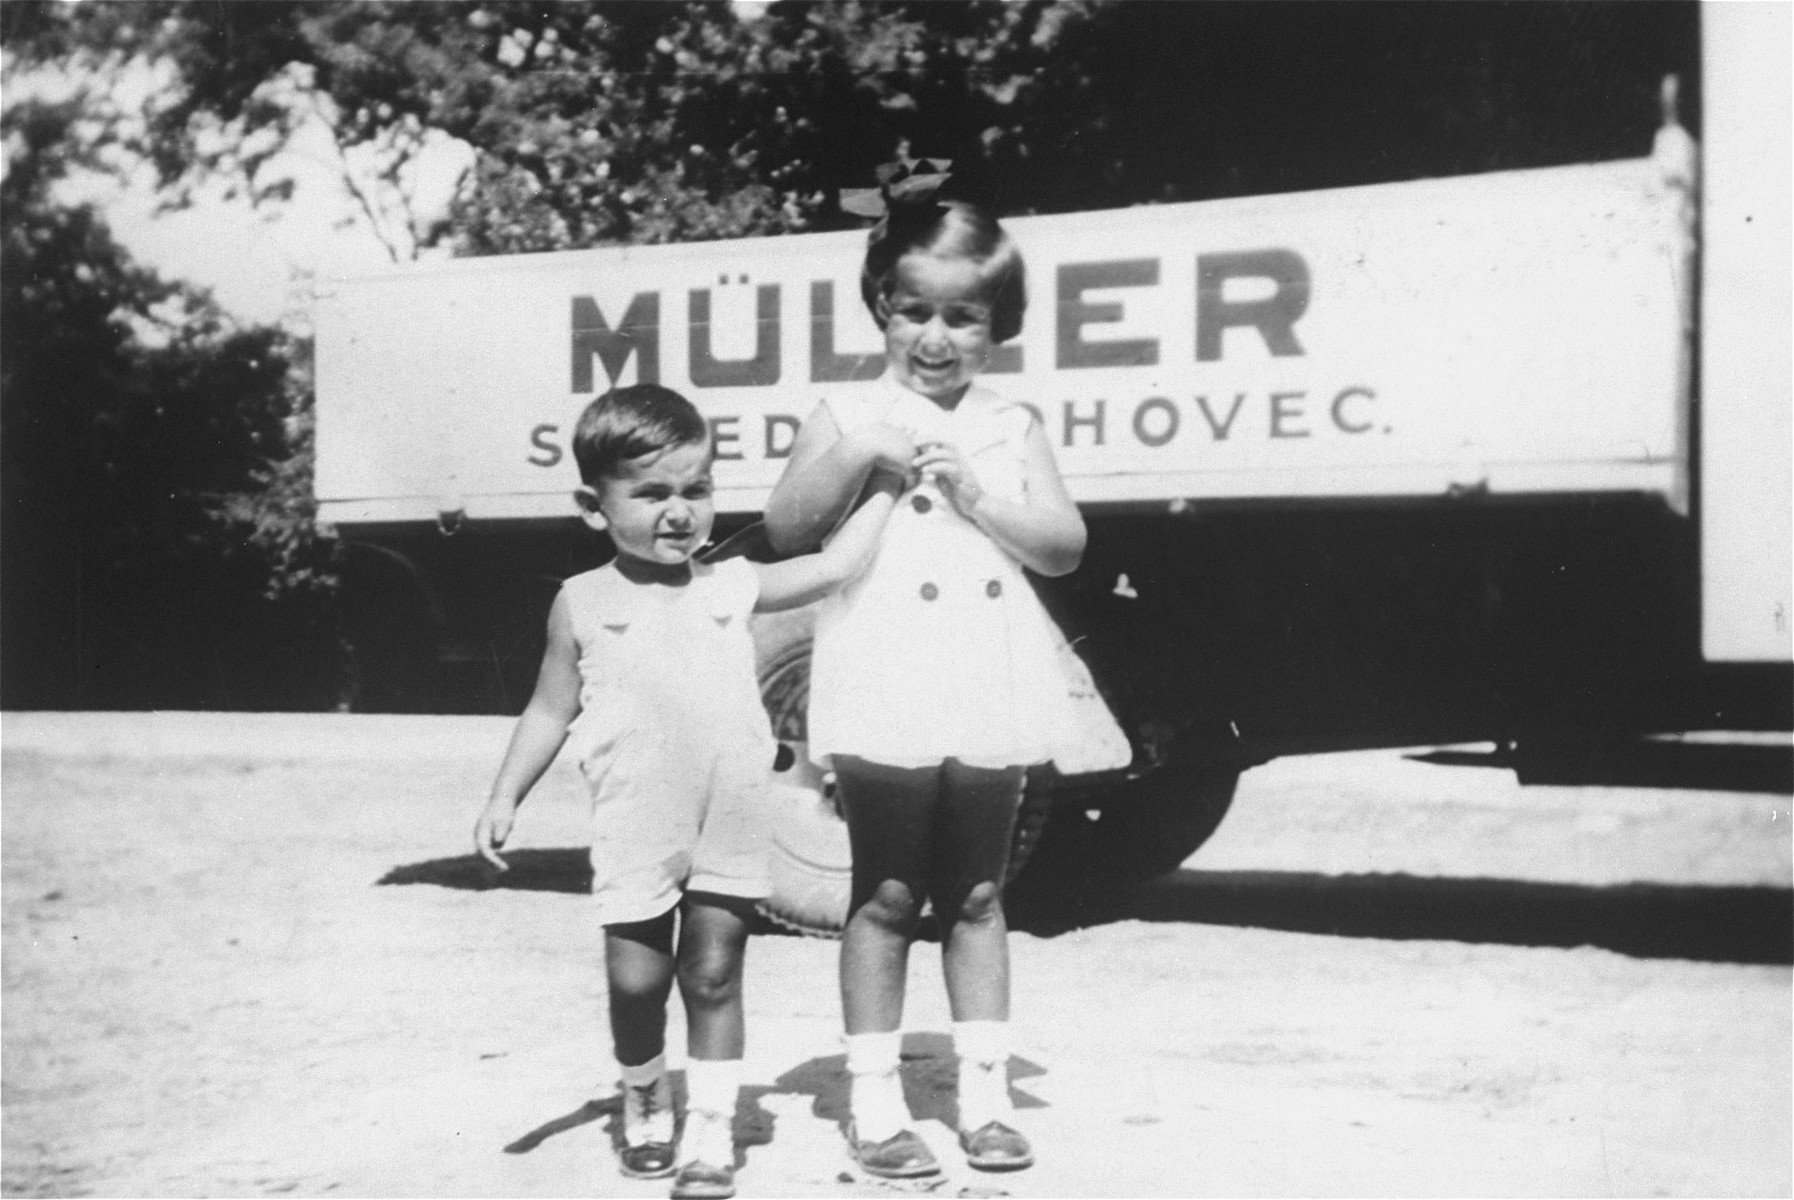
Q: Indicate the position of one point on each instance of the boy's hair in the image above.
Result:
(948, 229)
(628, 422)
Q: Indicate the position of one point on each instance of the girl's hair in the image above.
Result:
(628, 422)
(948, 229)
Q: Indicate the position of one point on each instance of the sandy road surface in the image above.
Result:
(1389, 974)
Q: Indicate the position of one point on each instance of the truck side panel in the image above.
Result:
(1511, 333)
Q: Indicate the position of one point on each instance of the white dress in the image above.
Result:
(671, 736)
(941, 648)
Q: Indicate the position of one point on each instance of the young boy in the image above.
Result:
(649, 669)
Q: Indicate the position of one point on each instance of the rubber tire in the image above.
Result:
(1088, 860)
(811, 865)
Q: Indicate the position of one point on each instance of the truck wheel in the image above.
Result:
(1149, 827)
(1145, 828)
(812, 866)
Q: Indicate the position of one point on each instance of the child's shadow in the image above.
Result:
(930, 1086)
(556, 870)
(752, 1125)
(609, 1108)
(930, 1074)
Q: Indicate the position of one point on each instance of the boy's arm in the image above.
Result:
(798, 581)
(537, 737)
(824, 475)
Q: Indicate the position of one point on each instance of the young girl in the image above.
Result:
(934, 677)
(650, 670)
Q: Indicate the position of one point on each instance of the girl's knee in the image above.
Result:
(982, 904)
(892, 905)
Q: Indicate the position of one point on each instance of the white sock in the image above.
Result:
(983, 1048)
(876, 1097)
(711, 1087)
(647, 1102)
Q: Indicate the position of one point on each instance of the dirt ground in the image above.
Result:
(1390, 973)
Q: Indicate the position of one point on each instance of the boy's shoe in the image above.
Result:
(652, 1160)
(994, 1146)
(702, 1181)
(903, 1155)
(646, 1150)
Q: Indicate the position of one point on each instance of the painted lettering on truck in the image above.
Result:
(637, 334)
(602, 352)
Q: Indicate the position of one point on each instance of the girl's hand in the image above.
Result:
(952, 474)
(491, 831)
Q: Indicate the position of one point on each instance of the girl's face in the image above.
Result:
(937, 326)
(658, 508)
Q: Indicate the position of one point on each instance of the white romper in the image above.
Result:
(941, 648)
(672, 738)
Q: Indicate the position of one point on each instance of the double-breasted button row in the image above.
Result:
(992, 588)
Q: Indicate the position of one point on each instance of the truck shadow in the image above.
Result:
(1741, 924)
(1641, 762)
(1753, 924)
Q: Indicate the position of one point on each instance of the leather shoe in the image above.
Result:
(903, 1155)
(994, 1146)
(701, 1181)
(650, 1160)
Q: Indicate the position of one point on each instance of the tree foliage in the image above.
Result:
(616, 121)
(157, 545)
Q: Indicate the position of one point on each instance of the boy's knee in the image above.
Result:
(639, 987)
(892, 904)
(982, 904)
(710, 980)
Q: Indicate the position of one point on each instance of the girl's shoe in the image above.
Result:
(903, 1155)
(994, 1146)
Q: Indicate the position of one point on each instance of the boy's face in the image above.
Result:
(658, 508)
(937, 325)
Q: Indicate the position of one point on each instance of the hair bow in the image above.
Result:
(904, 184)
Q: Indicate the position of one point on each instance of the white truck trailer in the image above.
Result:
(1501, 457)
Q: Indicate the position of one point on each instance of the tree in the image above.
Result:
(584, 114)
(615, 122)
(155, 549)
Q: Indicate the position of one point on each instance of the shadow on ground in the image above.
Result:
(558, 870)
(930, 1081)
(1639, 762)
(930, 1084)
(1644, 920)
(609, 1110)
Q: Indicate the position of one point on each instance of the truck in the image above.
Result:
(1499, 458)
